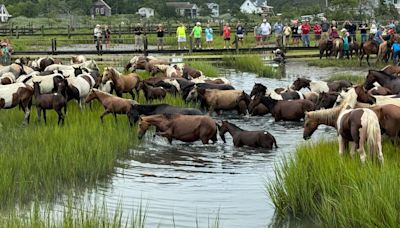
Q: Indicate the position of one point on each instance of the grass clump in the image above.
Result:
(355, 79)
(207, 68)
(250, 63)
(338, 191)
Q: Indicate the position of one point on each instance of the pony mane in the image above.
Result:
(326, 115)
(350, 98)
(170, 116)
(386, 74)
(233, 125)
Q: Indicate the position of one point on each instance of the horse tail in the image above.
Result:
(373, 131)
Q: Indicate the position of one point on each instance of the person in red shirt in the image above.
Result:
(227, 35)
(305, 33)
(317, 31)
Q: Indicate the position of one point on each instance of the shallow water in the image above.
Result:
(194, 182)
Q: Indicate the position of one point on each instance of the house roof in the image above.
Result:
(5, 9)
(102, 3)
(182, 5)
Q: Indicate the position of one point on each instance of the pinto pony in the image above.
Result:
(17, 94)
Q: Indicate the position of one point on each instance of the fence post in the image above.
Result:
(190, 44)
(145, 46)
(52, 46)
(69, 31)
(55, 45)
(17, 32)
(236, 44)
(169, 29)
(42, 28)
(119, 30)
(11, 29)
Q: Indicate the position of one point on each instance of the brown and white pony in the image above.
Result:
(16, 94)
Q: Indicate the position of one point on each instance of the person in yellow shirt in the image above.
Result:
(181, 34)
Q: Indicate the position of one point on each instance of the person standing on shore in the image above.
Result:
(325, 26)
(239, 32)
(317, 32)
(160, 37)
(98, 33)
(138, 32)
(287, 31)
(363, 30)
(227, 35)
(107, 33)
(209, 36)
(278, 29)
(196, 33)
(295, 33)
(265, 31)
(305, 33)
(181, 35)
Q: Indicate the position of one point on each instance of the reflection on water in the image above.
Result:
(188, 182)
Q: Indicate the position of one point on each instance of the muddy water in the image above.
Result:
(184, 183)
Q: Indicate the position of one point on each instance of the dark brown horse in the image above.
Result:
(325, 47)
(186, 128)
(292, 110)
(152, 93)
(320, 86)
(259, 110)
(392, 69)
(386, 80)
(327, 100)
(54, 101)
(242, 138)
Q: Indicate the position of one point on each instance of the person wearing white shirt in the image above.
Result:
(265, 30)
(98, 33)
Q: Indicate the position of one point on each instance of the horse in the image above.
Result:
(190, 73)
(122, 84)
(186, 128)
(185, 90)
(166, 70)
(111, 104)
(48, 83)
(392, 70)
(17, 94)
(354, 47)
(139, 62)
(7, 78)
(368, 48)
(337, 47)
(152, 93)
(79, 87)
(324, 47)
(386, 80)
(292, 110)
(17, 69)
(389, 119)
(242, 137)
(259, 110)
(359, 126)
(54, 101)
(41, 63)
(327, 100)
(320, 86)
(217, 100)
(77, 59)
(152, 109)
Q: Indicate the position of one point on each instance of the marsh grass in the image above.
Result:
(355, 79)
(208, 69)
(346, 63)
(250, 63)
(338, 191)
(44, 160)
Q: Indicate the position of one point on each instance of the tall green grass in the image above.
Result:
(338, 191)
(207, 68)
(348, 63)
(250, 63)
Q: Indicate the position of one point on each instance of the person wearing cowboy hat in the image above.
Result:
(346, 43)
(196, 32)
(98, 33)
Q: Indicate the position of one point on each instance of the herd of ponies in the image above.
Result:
(359, 113)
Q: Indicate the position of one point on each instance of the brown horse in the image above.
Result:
(241, 137)
(111, 104)
(292, 110)
(368, 48)
(17, 94)
(354, 48)
(391, 69)
(122, 84)
(325, 47)
(217, 100)
(152, 93)
(186, 128)
(259, 110)
(337, 47)
(389, 119)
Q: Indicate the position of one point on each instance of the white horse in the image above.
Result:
(48, 83)
(80, 87)
(78, 59)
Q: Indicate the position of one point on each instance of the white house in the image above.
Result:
(4, 15)
(214, 7)
(146, 12)
(256, 7)
(249, 7)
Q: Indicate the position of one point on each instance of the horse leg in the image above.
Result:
(39, 111)
(44, 116)
(368, 60)
(132, 94)
(115, 117)
(104, 113)
(60, 116)
(353, 149)
(342, 144)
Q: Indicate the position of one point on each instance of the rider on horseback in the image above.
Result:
(332, 35)
(378, 38)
